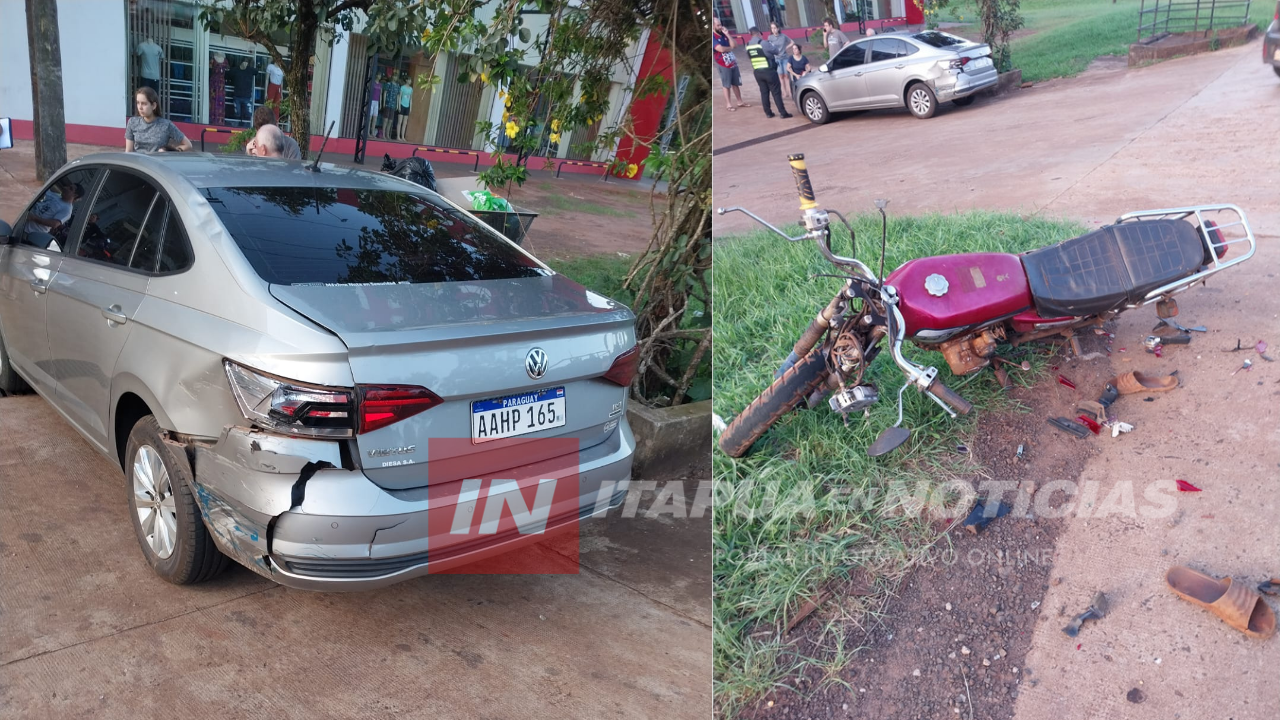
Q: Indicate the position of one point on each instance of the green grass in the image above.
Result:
(783, 526)
(601, 273)
(1070, 34)
(556, 204)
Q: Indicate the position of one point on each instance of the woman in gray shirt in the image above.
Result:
(147, 131)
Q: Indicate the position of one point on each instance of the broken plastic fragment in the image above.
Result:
(1261, 347)
(1096, 610)
(1184, 486)
(1247, 364)
(1118, 427)
(1270, 587)
(1093, 426)
(1063, 381)
(983, 514)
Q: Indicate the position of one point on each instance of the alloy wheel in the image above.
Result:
(813, 108)
(153, 501)
(919, 101)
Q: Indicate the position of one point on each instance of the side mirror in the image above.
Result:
(6, 233)
(823, 67)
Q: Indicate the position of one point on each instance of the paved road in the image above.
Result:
(1081, 148)
(88, 630)
(1194, 130)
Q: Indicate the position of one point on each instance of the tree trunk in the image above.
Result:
(46, 87)
(302, 45)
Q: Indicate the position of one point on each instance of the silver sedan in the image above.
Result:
(292, 366)
(915, 70)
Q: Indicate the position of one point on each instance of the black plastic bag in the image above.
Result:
(413, 169)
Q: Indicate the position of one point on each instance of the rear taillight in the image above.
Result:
(383, 405)
(1216, 240)
(960, 63)
(290, 407)
(624, 367)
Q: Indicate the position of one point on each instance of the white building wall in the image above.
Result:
(94, 66)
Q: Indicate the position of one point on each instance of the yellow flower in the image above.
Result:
(512, 129)
(425, 33)
(555, 126)
(554, 137)
(484, 76)
(632, 169)
(505, 116)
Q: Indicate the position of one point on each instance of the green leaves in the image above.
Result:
(525, 35)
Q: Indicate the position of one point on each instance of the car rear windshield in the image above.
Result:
(939, 39)
(308, 236)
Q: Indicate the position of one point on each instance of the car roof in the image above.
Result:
(203, 170)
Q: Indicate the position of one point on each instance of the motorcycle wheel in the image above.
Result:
(777, 400)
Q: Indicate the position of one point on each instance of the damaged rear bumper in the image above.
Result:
(286, 509)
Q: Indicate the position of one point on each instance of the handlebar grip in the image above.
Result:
(803, 186)
(950, 397)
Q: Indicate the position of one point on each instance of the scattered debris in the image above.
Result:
(1237, 606)
(1135, 696)
(1021, 451)
(1093, 356)
(1136, 382)
(1261, 347)
(1066, 425)
(1247, 364)
(1096, 610)
(964, 650)
(1118, 427)
(1184, 486)
(1093, 426)
(1035, 604)
(980, 517)
(717, 423)
(1270, 587)
(1239, 346)
(1063, 381)
(962, 449)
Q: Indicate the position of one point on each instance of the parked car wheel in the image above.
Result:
(165, 515)
(814, 108)
(10, 383)
(921, 101)
(965, 101)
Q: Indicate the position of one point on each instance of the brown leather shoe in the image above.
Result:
(1136, 382)
(1237, 605)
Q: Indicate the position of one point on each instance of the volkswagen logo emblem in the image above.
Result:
(535, 363)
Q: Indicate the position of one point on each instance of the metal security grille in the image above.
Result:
(582, 143)
(153, 20)
(1179, 16)
(459, 104)
(353, 88)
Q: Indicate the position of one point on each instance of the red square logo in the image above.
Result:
(508, 506)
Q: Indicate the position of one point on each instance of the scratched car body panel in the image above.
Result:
(324, 329)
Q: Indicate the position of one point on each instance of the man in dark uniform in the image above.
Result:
(762, 54)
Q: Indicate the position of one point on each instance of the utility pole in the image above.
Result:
(50, 125)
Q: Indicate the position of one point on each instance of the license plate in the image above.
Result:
(982, 62)
(517, 414)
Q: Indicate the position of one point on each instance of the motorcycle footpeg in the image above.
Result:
(854, 399)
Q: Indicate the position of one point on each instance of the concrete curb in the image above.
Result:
(670, 440)
(1178, 44)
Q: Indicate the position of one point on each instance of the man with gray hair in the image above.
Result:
(269, 142)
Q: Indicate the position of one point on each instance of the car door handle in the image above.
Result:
(115, 314)
(898, 67)
(40, 286)
(858, 74)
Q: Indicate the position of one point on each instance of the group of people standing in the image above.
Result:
(776, 61)
(148, 131)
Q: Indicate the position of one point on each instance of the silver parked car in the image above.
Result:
(280, 357)
(916, 70)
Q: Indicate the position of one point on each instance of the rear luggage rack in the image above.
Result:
(1217, 265)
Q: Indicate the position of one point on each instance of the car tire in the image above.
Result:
(965, 101)
(814, 108)
(10, 382)
(163, 509)
(921, 101)
(1276, 69)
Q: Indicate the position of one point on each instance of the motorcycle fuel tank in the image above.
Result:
(941, 295)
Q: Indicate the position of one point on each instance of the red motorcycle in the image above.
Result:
(965, 306)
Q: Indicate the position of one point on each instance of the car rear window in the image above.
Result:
(342, 236)
(939, 39)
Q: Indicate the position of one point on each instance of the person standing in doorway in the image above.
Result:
(832, 37)
(147, 131)
(151, 55)
(765, 68)
(727, 64)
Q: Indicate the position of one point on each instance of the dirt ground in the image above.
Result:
(578, 214)
(1091, 148)
(89, 631)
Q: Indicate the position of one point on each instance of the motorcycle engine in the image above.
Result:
(971, 353)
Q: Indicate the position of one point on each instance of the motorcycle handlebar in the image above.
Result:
(803, 186)
(950, 397)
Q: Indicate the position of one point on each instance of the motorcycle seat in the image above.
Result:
(1112, 266)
